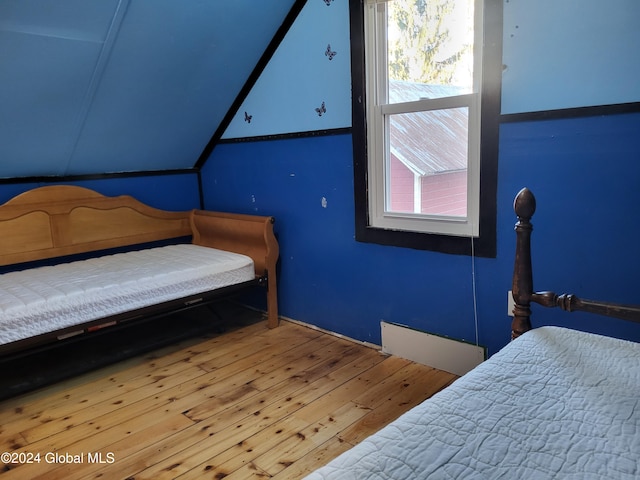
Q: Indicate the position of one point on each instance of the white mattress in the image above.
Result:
(45, 299)
(572, 413)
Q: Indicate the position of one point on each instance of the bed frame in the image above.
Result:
(521, 413)
(59, 221)
(524, 206)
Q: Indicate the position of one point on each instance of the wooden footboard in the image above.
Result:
(524, 206)
(247, 234)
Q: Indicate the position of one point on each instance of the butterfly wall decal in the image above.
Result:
(329, 53)
(327, 2)
(321, 110)
(247, 117)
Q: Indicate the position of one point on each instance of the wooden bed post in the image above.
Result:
(524, 206)
(271, 258)
(522, 287)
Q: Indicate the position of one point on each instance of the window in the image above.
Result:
(425, 148)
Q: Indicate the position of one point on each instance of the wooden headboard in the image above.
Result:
(524, 206)
(59, 220)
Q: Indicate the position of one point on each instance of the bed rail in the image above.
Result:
(524, 206)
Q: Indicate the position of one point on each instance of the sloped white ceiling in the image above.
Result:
(102, 86)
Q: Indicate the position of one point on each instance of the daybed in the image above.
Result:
(554, 403)
(135, 262)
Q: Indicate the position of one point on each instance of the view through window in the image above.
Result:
(424, 110)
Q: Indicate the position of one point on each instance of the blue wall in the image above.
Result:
(584, 172)
(169, 192)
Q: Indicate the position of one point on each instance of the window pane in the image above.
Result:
(429, 48)
(427, 170)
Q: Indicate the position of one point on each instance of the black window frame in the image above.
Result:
(485, 244)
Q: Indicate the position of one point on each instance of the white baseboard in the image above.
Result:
(427, 349)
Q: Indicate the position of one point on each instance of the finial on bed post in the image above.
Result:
(524, 206)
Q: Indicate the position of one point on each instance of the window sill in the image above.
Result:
(484, 246)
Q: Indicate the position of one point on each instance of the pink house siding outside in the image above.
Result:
(445, 194)
(401, 186)
(442, 194)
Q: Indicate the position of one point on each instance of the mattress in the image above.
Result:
(45, 299)
(555, 403)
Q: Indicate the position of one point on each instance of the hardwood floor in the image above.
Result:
(249, 403)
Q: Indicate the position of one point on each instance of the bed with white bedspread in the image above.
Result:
(554, 403)
(573, 413)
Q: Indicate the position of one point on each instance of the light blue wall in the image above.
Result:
(556, 54)
(301, 76)
(570, 53)
(584, 171)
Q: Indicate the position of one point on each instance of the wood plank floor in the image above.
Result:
(249, 403)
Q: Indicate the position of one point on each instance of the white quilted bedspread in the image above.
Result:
(45, 299)
(555, 403)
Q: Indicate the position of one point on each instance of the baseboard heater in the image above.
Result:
(439, 352)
